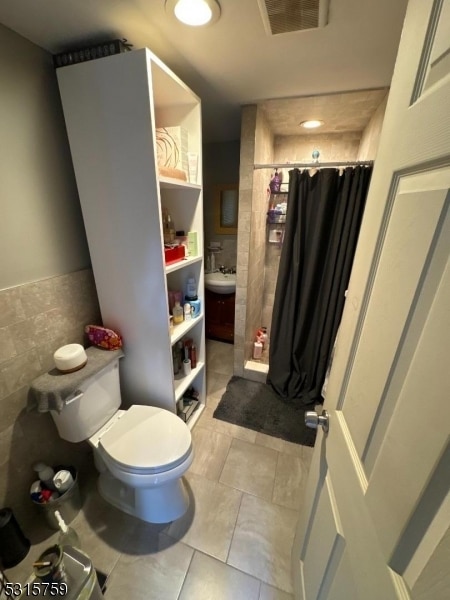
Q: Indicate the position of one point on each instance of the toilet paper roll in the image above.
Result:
(14, 545)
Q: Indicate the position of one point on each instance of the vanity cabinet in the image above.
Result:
(112, 107)
(220, 316)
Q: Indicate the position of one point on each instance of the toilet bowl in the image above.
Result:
(141, 453)
(146, 451)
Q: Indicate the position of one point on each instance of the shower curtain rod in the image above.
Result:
(360, 163)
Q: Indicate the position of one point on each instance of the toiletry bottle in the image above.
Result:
(171, 299)
(180, 354)
(63, 480)
(275, 182)
(186, 362)
(213, 262)
(193, 356)
(191, 287)
(176, 361)
(257, 350)
(187, 311)
(168, 228)
(67, 535)
(45, 474)
(261, 335)
(208, 264)
(264, 336)
(177, 313)
(195, 306)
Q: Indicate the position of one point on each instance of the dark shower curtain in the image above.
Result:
(322, 224)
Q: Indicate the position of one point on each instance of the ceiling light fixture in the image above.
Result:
(194, 12)
(311, 124)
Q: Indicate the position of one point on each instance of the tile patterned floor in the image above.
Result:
(235, 541)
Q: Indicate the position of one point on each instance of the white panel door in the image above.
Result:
(376, 518)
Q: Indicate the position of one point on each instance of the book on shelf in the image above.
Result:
(189, 406)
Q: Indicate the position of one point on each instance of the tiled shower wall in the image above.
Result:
(35, 320)
(332, 147)
(256, 147)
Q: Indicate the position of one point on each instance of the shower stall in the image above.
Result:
(257, 255)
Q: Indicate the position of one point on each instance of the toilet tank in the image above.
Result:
(91, 406)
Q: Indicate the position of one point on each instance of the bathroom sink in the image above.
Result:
(220, 283)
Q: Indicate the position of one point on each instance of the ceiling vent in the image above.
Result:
(284, 16)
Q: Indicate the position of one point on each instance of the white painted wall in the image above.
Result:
(41, 227)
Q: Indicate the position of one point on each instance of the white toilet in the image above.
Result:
(141, 453)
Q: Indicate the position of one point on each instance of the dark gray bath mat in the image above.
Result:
(256, 406)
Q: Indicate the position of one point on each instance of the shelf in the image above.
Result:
(278, 220)
(183, 382)
(170, 183)
(137, 93)
(190, 260)
(181, 329)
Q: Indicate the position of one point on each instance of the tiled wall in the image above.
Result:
(256, 147)
(228, 254)
(332, 147)
(35, 320)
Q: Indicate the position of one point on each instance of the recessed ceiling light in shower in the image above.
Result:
(311, 124)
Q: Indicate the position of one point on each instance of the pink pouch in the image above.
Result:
(103, 337)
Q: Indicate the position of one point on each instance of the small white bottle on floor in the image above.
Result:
(257, 350)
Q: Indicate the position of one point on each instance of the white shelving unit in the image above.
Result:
(112, 107)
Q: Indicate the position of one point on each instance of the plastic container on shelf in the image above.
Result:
(187, 311)
(174, 254)
(168, 227)
(191, 287)
(195, 306)
(177, 313)
(193, 356)
(186, 366)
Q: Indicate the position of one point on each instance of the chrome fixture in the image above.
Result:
(313, 420)
(227, 270)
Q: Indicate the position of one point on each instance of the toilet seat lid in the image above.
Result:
(147, 438)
